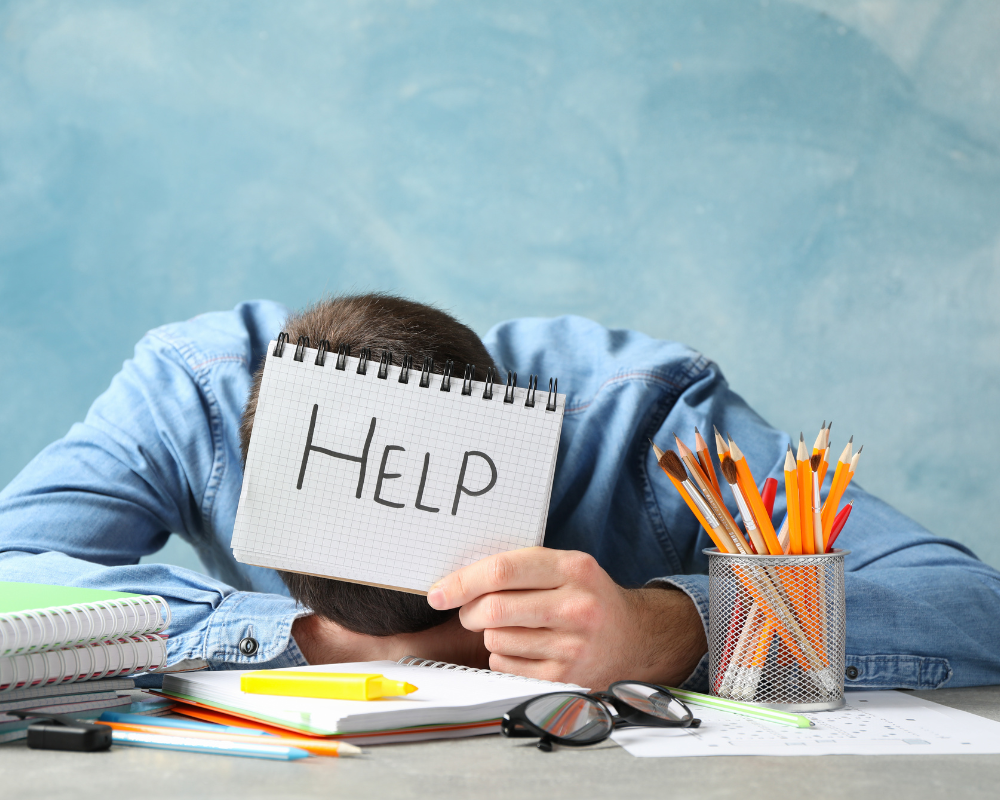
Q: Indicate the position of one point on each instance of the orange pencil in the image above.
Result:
(837, 488)
(792, 501)
(705, 459)
(750, 492)
(805, 498)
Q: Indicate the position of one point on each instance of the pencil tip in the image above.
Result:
(823, 426)
(802, 438)
(860, 449)
(830, 425)
(851, 440)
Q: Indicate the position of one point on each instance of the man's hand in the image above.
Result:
(557, 615)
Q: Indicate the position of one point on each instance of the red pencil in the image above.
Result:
(838, 524)
(768, 495)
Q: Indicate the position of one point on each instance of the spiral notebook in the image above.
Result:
(36, 617)
(450, 701)
(365, 471)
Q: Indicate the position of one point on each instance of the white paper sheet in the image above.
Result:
(872, 723)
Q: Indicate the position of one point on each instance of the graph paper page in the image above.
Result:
(871, 723)
(368, 479)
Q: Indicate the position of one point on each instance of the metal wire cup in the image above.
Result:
(776, 629)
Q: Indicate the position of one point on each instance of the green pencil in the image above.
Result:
(746, 709)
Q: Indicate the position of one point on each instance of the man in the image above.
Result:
(618, 591)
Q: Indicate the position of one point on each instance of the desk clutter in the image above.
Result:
(450, 701)
(71, 651)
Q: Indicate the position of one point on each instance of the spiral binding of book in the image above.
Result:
(385, 361)
(113, 658)
(35, 630)
(416, 661)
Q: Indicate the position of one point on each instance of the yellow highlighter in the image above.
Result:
(328, 685)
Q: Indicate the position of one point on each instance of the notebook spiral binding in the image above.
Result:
(416, 661)
(385, 361)
(82, 626)
(141, 653)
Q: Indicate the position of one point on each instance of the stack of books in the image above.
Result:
(71, 651)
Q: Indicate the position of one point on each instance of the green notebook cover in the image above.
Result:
(28, 596)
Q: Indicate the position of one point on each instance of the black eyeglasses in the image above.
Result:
(577, 719)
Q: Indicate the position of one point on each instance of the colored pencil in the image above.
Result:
(805, 497)
(749, 487)
(705, 459)
(839, 523)
(792, 500)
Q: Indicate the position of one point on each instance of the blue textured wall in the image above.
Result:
(809, 192)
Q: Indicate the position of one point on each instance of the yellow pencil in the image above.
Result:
(792, 501)
(805, 497)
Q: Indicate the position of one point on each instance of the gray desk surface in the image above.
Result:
(489, 766)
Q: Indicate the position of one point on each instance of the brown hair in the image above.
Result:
(403, 327)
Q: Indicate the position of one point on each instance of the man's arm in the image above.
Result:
(148, 460)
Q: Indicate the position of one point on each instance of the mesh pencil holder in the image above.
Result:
(776, 629)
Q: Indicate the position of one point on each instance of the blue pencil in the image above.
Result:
(191, 725)
(218, 747)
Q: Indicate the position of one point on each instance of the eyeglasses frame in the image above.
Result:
(515, 723)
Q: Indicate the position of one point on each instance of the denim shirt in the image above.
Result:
(158, 453)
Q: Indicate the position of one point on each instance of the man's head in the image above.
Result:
(381, 322)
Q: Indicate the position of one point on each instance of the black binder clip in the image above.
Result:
(446, 377)
(529, 398)
(300, 348)
(58, 732)
(343, 351)
(279, 346)
(425, 373)
(383, 364)
(550, 405)
(508, 394)
(488, 388)
(470, 375)
(366, 353)
(322, 349)
(404, 370)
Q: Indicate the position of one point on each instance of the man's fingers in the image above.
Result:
(531, 609)
(545, 670)
(530, 568)
(532, 643)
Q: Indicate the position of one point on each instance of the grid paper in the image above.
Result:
(325, 529)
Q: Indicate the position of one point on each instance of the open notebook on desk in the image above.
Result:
(449, 702)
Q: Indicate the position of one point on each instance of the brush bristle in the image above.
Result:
(672, 463)
(815, 461)
(729, 470)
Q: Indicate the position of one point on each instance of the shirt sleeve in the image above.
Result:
(145, 462)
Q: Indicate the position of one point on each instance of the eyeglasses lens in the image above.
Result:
(570, 717)
(651, 701)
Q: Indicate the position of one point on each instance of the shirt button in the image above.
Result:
(248, 646)
(852, 673)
